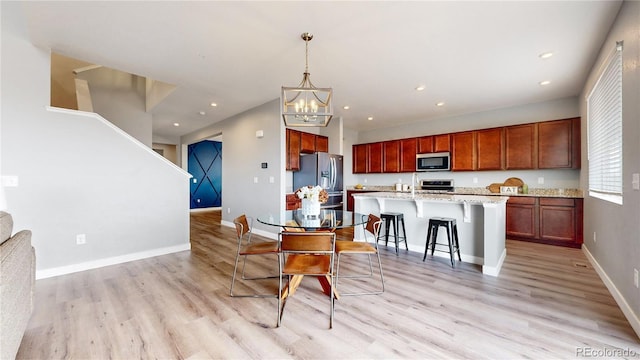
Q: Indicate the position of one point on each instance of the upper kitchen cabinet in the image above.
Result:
(442, 143)
(425, 144)
(360, 158)
(307, 143)
(490, 149)
(434, 143)
(374, 157)
(301, 142)
(391, 159)
(293, 150)
(408, 150)
(322, 143)
(463, 151)
(559, 144)
(521, 147)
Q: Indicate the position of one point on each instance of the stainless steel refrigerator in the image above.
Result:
(325, 170)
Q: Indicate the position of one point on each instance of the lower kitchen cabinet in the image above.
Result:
(556, 221)
(293, 202)
(522, 219)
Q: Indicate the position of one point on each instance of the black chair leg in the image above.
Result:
(404, 233)
(395, 234)
(428, 242)
(449, 241)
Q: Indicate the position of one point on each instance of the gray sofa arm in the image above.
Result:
(17, 280)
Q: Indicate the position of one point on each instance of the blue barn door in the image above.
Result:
(205, 165)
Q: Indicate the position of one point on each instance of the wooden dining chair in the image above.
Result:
(248, 248)
(372, 227)
(306, 254)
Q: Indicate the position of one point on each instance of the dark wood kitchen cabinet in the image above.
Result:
(556, 221)
(521, 147)
(292, 201)
(299, 142)
(463, 151)
(442, 143)
(391, 156)
(374, 157)
(408, 151)
(490, 149)
(293, 150)
(561, 221)
(559, 144)
(425, 144)
(322, 143)
(522, 217)
(307, 143)
(545, 145)
(360, 158)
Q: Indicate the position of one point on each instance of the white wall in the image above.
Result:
(120, 98)
(617, 249)
(78, 174)
(550, 110)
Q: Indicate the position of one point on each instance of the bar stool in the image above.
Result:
(396, 219)
(432, 236)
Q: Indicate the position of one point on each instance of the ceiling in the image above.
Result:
(473, 56)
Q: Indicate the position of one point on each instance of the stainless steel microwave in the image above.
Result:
(440, 161)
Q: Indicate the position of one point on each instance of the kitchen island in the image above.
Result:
(480, 220)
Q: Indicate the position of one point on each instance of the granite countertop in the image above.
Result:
(533, 192)
(438, 197)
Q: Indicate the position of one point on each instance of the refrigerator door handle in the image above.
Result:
(333, 173)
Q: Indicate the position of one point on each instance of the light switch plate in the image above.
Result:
(635, 181)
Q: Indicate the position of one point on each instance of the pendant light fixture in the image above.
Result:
(306, 105)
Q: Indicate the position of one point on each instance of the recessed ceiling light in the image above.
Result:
(202, 113)
(176, 124)
(214, 104)
(440, 103)
(545, 55)
(370, 118)
(546, 82)
(346, 107)
(420, 88)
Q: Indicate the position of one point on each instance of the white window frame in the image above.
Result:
(604, 131)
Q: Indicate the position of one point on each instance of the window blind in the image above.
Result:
(604, 116)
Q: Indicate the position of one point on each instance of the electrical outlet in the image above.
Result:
(255, 180)
(228, 210)
(635, 277)
(365, 181)
(540, 180)
(81, 239)
(475, 180)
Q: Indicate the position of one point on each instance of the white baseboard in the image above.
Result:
(494, 271)
(620, 300)
(94, 264)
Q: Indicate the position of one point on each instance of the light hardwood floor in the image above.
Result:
(544, 304)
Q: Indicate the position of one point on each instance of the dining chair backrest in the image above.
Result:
(242, 225)
(373, 225)
(321, 242)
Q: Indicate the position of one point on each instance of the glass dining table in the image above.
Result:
(327, 219)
